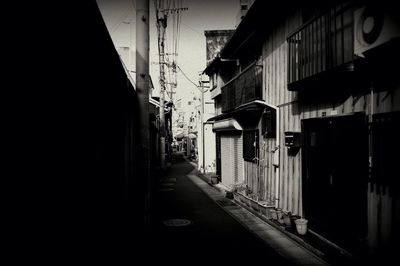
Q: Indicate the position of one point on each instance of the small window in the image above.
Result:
(268, 124)
(214, 80)
(250, 145)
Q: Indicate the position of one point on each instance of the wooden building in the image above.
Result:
(310, 99)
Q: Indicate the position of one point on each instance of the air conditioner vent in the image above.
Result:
(373, 27)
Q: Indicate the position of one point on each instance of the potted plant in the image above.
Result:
(238, 192)
(280, 215)
(274, 215)
(236, 196)
(286, 219)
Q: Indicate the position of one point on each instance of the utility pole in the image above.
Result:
(202, 124)
(163, 8)
(142, 89)
(161, 27)
(202, 90)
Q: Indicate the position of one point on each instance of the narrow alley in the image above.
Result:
(193, 220)
(211, 234)
(213, 132)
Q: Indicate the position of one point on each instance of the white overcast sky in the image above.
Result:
(201, 15)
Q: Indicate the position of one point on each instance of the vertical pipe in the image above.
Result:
(142, 89)
(277, 172)
(202, 124)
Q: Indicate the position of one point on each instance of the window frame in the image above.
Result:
(250, 151)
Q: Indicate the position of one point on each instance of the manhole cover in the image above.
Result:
(171, 179)
(177, 222)
(167, 184)
(166, 189)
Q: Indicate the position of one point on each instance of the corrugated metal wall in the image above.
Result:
(291, 112)
(274, 60)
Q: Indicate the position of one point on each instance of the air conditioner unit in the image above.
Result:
(373, 27)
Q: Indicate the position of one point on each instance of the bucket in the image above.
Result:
(301, 226)
(293, 219)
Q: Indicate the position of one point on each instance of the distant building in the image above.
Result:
(244, 5)
(215, 41)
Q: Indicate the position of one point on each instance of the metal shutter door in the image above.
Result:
(239, 159)
(231, 160)
(227, 159)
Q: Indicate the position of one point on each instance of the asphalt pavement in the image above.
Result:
(189, 226)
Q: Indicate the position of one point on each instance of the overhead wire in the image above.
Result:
(170, 8)
(184, 74)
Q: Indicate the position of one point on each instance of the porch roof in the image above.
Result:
(256, 105)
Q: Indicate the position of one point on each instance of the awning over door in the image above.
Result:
(229, 124)
(245, 116)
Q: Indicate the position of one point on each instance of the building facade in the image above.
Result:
(307, 101)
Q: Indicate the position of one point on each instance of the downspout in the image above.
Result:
(277, 172)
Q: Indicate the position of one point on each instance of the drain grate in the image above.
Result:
(177, 222)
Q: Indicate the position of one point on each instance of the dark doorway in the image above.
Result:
(218, 155)
(335, 172)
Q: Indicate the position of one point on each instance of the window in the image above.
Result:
(268, 124)
(213, 80)
(322, 43)
(250, 145)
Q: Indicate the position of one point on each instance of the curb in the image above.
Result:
(300, 241)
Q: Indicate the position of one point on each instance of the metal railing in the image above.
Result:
(243, 88)
(321, 44)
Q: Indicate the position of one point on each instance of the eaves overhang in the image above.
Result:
(256, 105)
(228, 124)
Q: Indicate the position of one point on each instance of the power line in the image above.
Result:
(193, 29)
(197, 86)
(121, 19)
